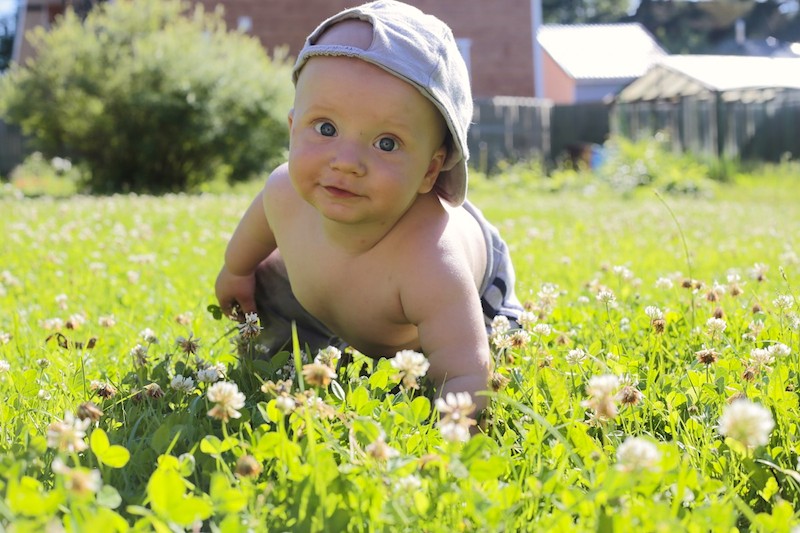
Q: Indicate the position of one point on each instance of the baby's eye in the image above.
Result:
(326, 129)
(387, 144)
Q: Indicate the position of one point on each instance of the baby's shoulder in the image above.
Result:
(279, 194)
(441, 234)
(278, 180)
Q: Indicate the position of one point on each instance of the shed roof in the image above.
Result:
(600, 51)
(735, 77)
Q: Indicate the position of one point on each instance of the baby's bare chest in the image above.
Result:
(357, 298)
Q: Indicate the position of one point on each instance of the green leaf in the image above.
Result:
(421, 407)
(115, 456)
(108, 497)
(211, 445)
(226, 499)
(27, 498)
(164, 490)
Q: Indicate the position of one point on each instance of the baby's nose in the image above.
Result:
(349, 158)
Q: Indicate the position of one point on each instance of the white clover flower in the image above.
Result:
(410, 365)
(44, 394)
(755, 327)
(542, 330)
(715, 325)
(75, 321)
(653, 312)
(250, 328)
(182, 384)
(664, 283)
(285, 403)
(149, 336)
(637, 454)
(500, 325)
(407, 484)
(4, 366)
(761, 358)
(211, 374)
(380, 450)
(747, 422)
(779, 349)
(718, 288)
(600, 386)
(583, 299)
(784, 302)
(53, 324)
(794, 321)
(61, 300)
(67, 435)
(759, 271)
(606, 296)
(228, 400)
(527, 319)
(576, 356)
(139, 355)
(328, 356)
(78, 480)
(602, 396)
(107, 321)
(455, 421)
(622, 272)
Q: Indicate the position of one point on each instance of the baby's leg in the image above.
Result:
(278, 308)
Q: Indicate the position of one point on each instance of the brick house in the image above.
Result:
(494, 37)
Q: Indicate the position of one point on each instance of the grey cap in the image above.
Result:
(421, 50)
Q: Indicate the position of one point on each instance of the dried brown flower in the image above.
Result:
(318, 375)
(248, 466)
(498, 382)
(89, 410)
(707, 356)
(629, 395)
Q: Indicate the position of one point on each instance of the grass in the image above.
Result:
(597, 268)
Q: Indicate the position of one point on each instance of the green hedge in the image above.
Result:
(150, 96)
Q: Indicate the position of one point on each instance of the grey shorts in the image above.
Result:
(278, 307)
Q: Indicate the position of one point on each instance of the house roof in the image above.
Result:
(735, 77)
(600, 51)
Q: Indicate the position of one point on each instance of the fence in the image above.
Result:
(511, 129)
(508, 129)
(765, 128)
(12, 148)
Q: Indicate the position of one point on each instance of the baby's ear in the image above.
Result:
(290, 118)
(434, 167)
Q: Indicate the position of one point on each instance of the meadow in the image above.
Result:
(653, 387)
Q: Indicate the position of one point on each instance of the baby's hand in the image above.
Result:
(235, 293)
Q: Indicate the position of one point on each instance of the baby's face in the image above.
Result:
(363, 143)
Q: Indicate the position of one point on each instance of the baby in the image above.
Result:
(364, 237)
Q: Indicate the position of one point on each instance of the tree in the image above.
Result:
(151, 97)
(6, 40)
(583, 11)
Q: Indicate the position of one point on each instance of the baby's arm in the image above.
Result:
(250, 244)
(445, 305)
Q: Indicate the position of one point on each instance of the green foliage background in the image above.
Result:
(148, 96)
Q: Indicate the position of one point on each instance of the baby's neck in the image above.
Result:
(355, 239)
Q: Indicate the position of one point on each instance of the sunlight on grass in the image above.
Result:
(644, 391)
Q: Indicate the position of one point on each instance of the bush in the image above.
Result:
(151, 97)
(37, 176)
